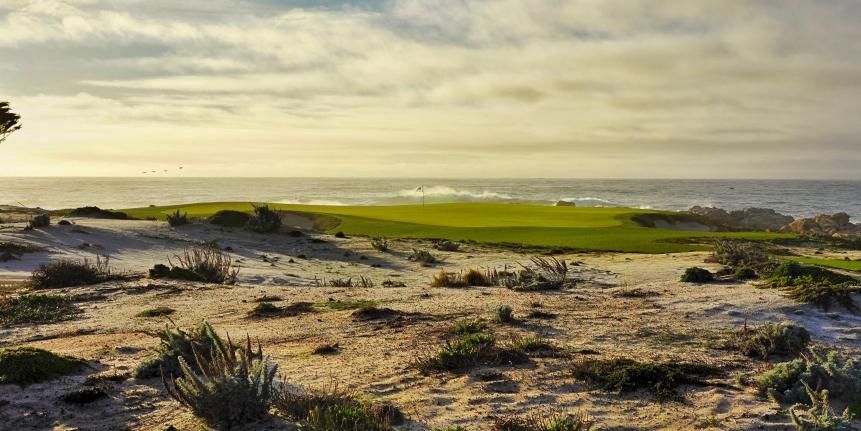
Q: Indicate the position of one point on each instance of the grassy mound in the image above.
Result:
(96, 212)
(34, 309)
(28, 365)
(607, 229)
(626, 375)
(230, 218)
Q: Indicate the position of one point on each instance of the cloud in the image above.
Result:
(608, 83)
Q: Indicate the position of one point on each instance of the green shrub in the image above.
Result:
(41, 220)
(786, 381)
(177, 219)
(819, 416)
(744, 273)
(470, 351)
(264, 220)
(175, 343)
(234, 387)
(814, 285)
(539, 422)
(335, 410)
(785, 339)
(70, 273)
(156, 312)
(738, 253)
(380, 244)
(34, 308)
(503, 314)
(534, 345)
(208, 264)
(696, 274)
(27, 365)
(626, 375)
(96, 212)
(265, 309)
(230, 218)
(423, 257)
(468, 327)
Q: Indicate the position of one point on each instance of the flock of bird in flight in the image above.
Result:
(152, 172)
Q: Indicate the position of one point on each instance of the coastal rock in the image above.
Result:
(824, 225)
(565, 204)
(746, 219)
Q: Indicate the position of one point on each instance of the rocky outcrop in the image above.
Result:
(746, 219)
(824, 225)
(565, 204)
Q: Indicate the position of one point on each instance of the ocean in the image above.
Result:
(799, 198)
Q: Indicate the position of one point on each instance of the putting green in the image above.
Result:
(596, 229)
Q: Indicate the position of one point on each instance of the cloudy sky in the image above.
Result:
(435, 88)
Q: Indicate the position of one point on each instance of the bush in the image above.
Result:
(537, 422)
(380, 244)
(814, 285)
(230, 218)
(468, 327)
(503, 314)
(70, 273)
(785, 339)
(445, 245)
(786, 381)
(738, 253)
(96, 212)
(177, 219)
(84, 396)
(696, 274)
(264, 220)
(474, 277)
(175, 343)
(335, 410)
(626, 375)
(447, 279)
(744, 273)
(34, 309)
(472, 350)
(819, 416)
(156, 312)
(265, 309)
(423, 257)
(235, 386)
(208, 264)
(27, 365)
(551, 270)
(41, 220)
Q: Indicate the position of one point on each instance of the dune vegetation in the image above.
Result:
(572, 228)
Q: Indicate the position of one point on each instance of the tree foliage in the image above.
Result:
(9, 121)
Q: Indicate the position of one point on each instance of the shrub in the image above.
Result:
(175, 343)
(738, 253)
(551, 269)
(696, 274)
(96, 212)
(177, 219)
(208, 264)
(325, 349)
(819, 416)
(230, 218)
(423, 257)
(340, 234)
(770, 339)
(503, 314)
(265, 309)
(12, 251)
(393, 283)
(84, 396)
(474, 277)
(533, 345)
(27, 365)
(470, 351)
(335, 410)
(34, 308)
(744, 273)
(814, 285)
(380, 244)
(447, 279)
(446, 245)
(538, 422)
(340, 282)
(235, 386)
(41, 220)
(468, 327)
(786, 381)
(70, 273)
(626, 375)
(156, 312)
(264, 220)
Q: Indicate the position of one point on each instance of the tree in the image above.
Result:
(9, 121)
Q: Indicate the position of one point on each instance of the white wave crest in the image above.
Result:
(313, 202)
(444, 192)
(589, 201)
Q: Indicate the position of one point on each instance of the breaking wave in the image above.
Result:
(450, 194)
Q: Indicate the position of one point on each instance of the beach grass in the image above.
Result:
(848, 265)
(571, 228)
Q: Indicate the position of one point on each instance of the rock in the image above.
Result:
(746, 219)
(837, 225)
(565, 204)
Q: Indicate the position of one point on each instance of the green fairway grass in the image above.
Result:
(849, 265)
(593, 229)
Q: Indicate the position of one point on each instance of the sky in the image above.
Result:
(433, 88)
